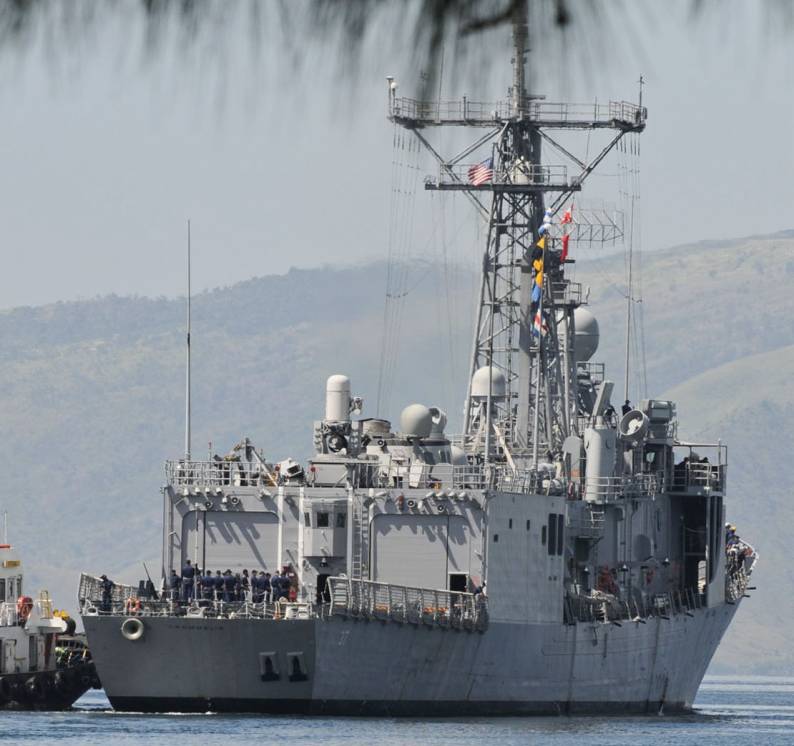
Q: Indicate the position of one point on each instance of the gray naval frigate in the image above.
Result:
(558, 556)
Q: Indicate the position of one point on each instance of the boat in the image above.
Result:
(562, 554)
(43, 664)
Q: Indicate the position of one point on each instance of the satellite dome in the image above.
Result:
(585, 341)
(416, 421)
(483, 379)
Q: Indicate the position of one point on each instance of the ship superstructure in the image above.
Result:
(557, 556)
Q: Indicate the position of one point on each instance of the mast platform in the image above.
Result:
(415, 114)
(499, 186)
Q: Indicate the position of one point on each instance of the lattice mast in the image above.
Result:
(521, 401)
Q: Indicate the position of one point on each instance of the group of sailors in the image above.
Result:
(258, 587)
(738, 552)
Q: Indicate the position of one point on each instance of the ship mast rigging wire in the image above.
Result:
(405, 176)
(629, 190)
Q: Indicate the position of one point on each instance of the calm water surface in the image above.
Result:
(754, 710)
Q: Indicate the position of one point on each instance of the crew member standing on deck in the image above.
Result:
(228, 586)
(188, 579)
(174, 585)
(267, 590)
(107, 592)
(207, 585)
(218, 586)
(275, 586)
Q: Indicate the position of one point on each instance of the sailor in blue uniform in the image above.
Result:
(174, 585)
(245, 586)
(188, 576)
(228, 586)
(275, 586)
(107, 592)
(218, 585)
(267, 590)
(207, 585)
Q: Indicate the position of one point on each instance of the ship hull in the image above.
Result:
(357, 667)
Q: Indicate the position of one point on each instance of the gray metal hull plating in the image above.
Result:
(374, 668)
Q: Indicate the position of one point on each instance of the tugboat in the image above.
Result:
(43, 664)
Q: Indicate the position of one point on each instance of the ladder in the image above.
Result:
(360, 534)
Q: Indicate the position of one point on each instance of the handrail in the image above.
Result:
(358, 598)
(698, 475)
(462, 110)
(216, 474)
(606, 489)
(209, 475)
(406, 604)
(600, 607)
(516, 173)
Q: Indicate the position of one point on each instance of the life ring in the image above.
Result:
(132, 628)
(132, 605)
(24, 607)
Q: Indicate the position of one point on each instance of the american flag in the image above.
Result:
(481, 173)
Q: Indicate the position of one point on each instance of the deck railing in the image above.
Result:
(196, 476)
(216, 474)
(603, 607)
(428, 113)
(608, 489)
(519, 173)
(698, 476)
(348, 598)
(368, 599)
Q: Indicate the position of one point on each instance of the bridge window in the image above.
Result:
(495, 538)
(322, 520)
(340, 520)
(307, 520)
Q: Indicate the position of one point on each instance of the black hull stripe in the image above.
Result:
(388, 708)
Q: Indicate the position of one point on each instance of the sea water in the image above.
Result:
(751, 711)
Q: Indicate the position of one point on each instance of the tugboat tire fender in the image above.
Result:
(132, 628)
(36, 687)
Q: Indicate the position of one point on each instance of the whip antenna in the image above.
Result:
(187, 358)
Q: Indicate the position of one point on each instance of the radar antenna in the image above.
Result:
(522, 399)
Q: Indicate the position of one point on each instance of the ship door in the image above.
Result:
(458, 581)
(323, 591)
(7, 657)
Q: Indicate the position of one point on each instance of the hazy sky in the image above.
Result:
(106, 150)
